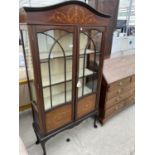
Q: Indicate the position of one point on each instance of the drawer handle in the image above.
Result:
(120, 84)
(119, 91)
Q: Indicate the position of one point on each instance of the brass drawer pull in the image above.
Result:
(120, 83)
(119, 91)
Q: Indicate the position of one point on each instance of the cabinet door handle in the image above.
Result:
(78, 85)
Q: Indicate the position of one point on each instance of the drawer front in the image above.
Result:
(121, 83)
(86, 105)
(119, 90)
(119, 98)
(130, 100)
(113, 109)
(119, 106)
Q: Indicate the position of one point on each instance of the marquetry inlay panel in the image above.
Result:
(86, 105)
(58, 117)
(74, 15)
(71, 14)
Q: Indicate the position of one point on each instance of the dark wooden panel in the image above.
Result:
(86, 105)
(109, 7)
(58, 117)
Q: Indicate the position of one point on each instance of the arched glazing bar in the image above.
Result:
(56, 41)
(59, 45)
(88, 43)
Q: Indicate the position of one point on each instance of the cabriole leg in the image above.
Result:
(37, 142)
(95, 120)
(43, 147)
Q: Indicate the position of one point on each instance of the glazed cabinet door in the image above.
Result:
(89, 57)
(56, 52)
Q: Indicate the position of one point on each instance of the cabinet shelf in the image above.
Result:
(54, 55)
(59, 78)
(60, 98)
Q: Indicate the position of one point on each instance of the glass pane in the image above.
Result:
(29, 63)
(58, 94)
(55, 95)
(69, 91)
(90, 45)
(46, 94)
(57, 70)
(55, 51)
(88, 86)
(52, 43)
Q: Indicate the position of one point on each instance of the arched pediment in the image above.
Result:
(74, 12)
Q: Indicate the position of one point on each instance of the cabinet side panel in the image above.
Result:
(37, 78)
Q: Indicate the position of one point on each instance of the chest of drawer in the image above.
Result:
(119, 98)
(118, 85)
(119, 106)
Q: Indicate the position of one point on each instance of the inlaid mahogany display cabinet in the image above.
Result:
(63, 48)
